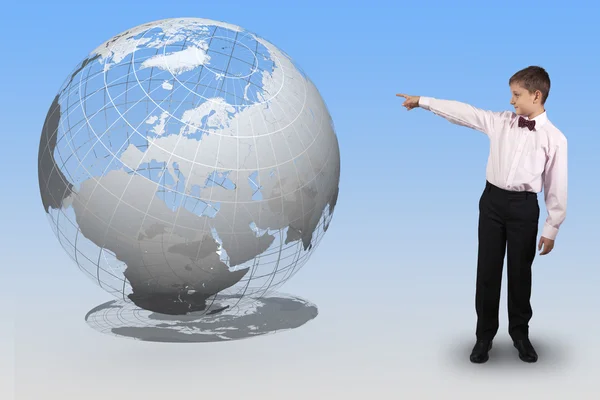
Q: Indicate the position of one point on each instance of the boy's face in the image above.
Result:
(522, 100)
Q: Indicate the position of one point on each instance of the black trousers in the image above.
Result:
(507, 220)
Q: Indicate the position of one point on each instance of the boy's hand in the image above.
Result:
(547, 243)
(410, 102)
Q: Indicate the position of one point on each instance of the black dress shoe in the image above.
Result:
(480, 351)
(526, 351)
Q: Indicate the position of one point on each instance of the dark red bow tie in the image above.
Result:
(526, 123)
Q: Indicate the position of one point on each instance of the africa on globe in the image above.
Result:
(186, 159)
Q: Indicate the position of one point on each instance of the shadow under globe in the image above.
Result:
(185, 159)
(235, 320)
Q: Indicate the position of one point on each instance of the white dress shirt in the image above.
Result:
(519, 159)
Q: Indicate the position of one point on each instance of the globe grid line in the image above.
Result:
(232, 57)
(164, 169)
(215, 133)
(120, 200)
(101, 252)
(105, 250)
(134, 171)
(124, 93)
(185, 196)
(75, 225)
(132, 62)
(298, 176)
(160, 220)
(282, 204)
(256, 260)
(229, 63)
(200, 198)
(249, 81)
(170, 114)
(58, 215)
(206, 165)
(74, 153)
(79, 265)
(286, 268)
(319, 234)
(248, 169)
(114, 156)
(81, 165)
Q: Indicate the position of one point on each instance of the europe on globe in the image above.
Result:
(186, 159)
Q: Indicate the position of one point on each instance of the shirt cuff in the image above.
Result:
(549, 232)
(424, 102)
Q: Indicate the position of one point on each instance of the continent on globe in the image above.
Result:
(186, 158)
(54, 186)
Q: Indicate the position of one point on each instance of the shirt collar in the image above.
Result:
(540, 120)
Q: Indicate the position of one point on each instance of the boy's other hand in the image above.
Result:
(410, 102)
(547, 243)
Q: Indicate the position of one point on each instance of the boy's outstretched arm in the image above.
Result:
(459, 113)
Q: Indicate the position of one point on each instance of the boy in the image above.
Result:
(527, 152)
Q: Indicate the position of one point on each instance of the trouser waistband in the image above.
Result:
(492, 188)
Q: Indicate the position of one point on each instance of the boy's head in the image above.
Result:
(530, 88)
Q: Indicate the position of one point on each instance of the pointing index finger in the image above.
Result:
(401, 95)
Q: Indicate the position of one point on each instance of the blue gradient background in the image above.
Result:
(394, 277)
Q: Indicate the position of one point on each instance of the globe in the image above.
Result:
(187, 159)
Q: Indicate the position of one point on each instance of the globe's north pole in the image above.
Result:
(185, 158)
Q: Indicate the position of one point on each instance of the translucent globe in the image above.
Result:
(186, 159)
